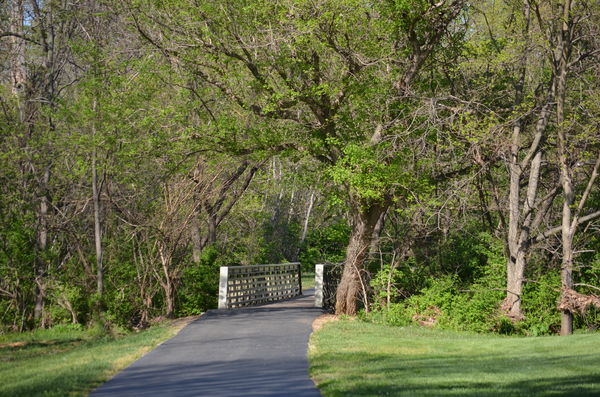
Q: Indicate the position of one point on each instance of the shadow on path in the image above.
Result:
(258, 351)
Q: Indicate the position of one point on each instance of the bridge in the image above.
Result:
(255, 345)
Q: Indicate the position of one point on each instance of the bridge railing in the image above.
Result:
(327, 278)
(258, 284)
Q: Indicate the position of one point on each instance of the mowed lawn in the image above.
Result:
(353, 358)
(308, 280)
(70, 362)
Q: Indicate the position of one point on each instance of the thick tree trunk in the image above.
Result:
(211, 233)
(169, 299)
(566, 278)
(517, 257)
(514, 286)
(352, 286)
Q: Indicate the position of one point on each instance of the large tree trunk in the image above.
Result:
(169, 299)
(514, 286)
(352, 287)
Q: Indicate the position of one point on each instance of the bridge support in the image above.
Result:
(327, 278)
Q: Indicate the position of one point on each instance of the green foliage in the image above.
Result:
(540, 299)
(121, 299)
(199, 285)
(365, 172)
(325, 245)
(588, 272)
(17, 252)
(451, 302)
(478, 309)
(385, 286)
(317, 84)
(65, 299)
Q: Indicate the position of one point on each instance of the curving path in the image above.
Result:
(257, 351)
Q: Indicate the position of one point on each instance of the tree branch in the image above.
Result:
(20, 36)
(555, 230)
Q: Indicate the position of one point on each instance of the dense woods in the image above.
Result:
(446, 152)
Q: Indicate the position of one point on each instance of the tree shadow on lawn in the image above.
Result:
(25, 349)
(579, 386)
(455, 375)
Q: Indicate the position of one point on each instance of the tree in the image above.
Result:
(570, 45)
(336, 81)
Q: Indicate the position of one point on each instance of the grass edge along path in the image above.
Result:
(69, 362)
(354, 358)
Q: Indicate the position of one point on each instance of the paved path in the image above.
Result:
(258, 351)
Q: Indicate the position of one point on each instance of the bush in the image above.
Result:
(448, 302)
(386, 277)
(539, 305)
(199, 285)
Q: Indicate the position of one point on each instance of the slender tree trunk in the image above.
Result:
(17, 46)
(352, 285)
(311, 202)
(167, 285)
(196, 239)
(568, 229)
(97, 227)
(516, 258)
(42, 246)
(169, 299)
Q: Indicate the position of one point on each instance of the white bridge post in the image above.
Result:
(319, 271)
(223, 281)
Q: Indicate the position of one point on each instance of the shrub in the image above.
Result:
(447, 301)
(199, 285)
(539, 305)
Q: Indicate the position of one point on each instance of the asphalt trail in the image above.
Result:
(258, 351)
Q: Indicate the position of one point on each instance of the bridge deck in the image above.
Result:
(254, 351)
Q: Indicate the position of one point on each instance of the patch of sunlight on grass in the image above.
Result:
(353, 358)
(69, 361)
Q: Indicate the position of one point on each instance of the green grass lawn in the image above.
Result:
(308, 280)
(70, 362)
(353, 358)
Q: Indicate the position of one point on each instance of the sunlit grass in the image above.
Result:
(308, 280)
(69, 361)
(353, 358)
